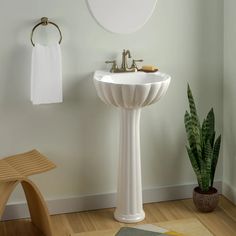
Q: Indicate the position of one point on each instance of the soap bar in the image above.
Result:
(149, 68)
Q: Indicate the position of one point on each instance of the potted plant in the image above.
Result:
(203, 152)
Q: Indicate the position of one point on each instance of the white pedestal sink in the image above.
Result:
(130, 92)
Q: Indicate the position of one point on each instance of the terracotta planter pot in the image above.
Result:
(205, 202)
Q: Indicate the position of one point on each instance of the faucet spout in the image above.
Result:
(124, 64)
(127, 52)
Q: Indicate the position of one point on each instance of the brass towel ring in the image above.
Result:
(44, 22)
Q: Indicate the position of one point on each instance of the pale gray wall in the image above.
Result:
(183, 37)
(229, 164)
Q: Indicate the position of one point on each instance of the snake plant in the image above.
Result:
(203, 150)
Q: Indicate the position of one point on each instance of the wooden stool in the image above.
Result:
(15, 170)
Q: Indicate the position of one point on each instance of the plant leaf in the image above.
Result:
(195, 165)
(210, 127)
(192, 107)
(194, 143)
(215, 158)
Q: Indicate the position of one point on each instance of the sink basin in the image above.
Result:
(130, 92)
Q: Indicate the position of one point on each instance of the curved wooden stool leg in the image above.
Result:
(5, 191)
(37, 207)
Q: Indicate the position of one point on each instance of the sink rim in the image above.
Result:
(99, 76)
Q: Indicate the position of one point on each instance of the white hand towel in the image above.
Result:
(46, 74)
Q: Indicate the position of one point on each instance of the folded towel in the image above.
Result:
(46, 74)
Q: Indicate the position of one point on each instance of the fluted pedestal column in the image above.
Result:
(129, 193)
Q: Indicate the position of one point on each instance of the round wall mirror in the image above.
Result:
(122, 16)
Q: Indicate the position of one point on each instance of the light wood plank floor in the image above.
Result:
(221, 222)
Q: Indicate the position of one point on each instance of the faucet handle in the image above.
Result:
(114, 65)
(140, 60)
(134, 65)
(113, 61)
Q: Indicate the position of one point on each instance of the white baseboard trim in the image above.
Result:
(99, 201)
(229, 192)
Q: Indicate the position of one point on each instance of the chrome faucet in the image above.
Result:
(124, 64)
